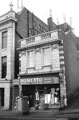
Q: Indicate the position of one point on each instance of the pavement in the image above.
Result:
(32, 113)
(70, 114)
(52, 114)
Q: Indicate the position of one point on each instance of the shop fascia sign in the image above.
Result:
(32, 80)
(39, 80)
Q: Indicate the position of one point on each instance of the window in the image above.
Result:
(4, 39)
(34, 23)
(46, 56)
(30, 31)
(55, 57)
(4, 66)
(31, 59)
(23, 62)
(39, 27)
(38, 60)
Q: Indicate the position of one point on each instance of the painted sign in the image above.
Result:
(40, 80)
(32, 81)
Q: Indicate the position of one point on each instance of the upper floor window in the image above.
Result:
(38, 60)
(4, 66)
(46, 57)
(4, 39)
(31, 59)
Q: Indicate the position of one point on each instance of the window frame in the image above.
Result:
(3, 74)
(4, 38)
(29, 67)
(47, 47)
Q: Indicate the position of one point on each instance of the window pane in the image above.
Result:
(4, 66)
(38, 60)
(47, 56)
(55, 59)
(31, 59)
(23, 63)
(4, 39)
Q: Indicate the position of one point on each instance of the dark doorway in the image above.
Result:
(1, 96)
(29, 90)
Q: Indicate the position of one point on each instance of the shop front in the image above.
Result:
(43, 91)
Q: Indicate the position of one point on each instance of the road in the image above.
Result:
(11, 118)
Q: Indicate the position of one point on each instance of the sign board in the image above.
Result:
(40, 80)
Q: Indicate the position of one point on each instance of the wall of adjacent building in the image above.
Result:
(71, 62)
(9, 51)
(28, 22)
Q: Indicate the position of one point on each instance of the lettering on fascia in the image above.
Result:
(28, 80)
(34, 80)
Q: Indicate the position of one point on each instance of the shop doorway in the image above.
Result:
(1, 96)
(29, 90)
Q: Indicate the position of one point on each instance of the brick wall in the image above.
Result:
(71, 62)
(34, 23)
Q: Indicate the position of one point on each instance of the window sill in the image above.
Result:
(31, 68)
(47, 66)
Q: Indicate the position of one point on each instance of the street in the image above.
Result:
(6, 118)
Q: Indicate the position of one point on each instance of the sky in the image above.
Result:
(63, 10)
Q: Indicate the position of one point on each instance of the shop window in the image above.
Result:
(30, 59)
(4, 39)
(46, 58)
(4, 67)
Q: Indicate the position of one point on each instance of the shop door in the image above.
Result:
(1, 96)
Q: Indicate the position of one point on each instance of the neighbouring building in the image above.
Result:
(49, 65)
